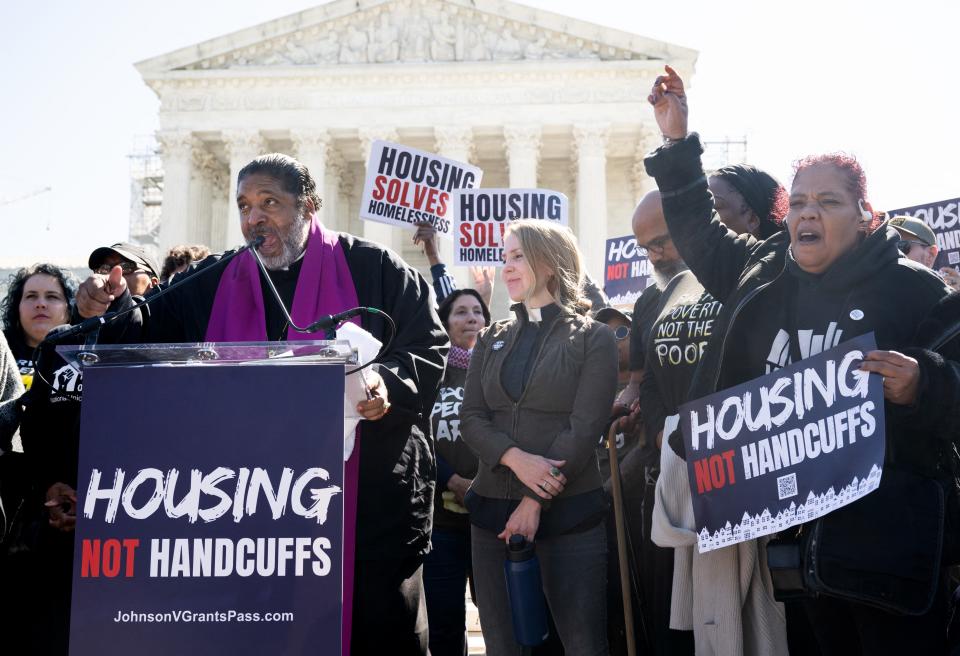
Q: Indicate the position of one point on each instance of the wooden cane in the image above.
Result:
(622, 554)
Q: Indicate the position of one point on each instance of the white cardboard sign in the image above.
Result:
(481, 217)
(405, 186)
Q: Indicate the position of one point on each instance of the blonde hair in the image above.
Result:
(549, 246)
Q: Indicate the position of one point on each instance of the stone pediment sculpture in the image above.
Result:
(352, 32)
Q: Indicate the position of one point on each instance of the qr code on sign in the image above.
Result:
(787, 486)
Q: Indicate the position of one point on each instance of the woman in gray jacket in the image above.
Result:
(538, 393)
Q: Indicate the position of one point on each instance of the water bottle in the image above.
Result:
(525, 590)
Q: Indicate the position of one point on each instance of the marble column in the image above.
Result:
(522, 149)
(218, 178)
(177, 152)
(522, 144)
(242, 146)
(200, 228)
(332, 202)
(454, 142)
(311, 146)
(590, 140)
(648, 141)
(380, 233)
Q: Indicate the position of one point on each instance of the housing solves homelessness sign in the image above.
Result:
(207, 524)
(405, 186)
(481, 217)
(944, 219)
(785, 448)
(627, 271)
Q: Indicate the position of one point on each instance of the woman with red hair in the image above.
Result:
(834, 273)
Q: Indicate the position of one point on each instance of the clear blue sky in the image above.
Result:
(878, 79)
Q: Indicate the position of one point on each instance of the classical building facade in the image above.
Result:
(534, 98)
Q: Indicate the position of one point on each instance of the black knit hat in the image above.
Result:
(759, 189)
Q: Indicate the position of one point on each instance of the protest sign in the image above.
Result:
(481, 217)
(784, 448)
(405, 186)
(944, 219)
(627, 271)
(206, 524)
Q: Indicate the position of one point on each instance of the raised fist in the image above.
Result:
(669, 104)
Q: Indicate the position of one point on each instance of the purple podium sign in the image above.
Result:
(210, 511)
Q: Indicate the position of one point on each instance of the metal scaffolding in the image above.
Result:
(146, 192)
(724, 152)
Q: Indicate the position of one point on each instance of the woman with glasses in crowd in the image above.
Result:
(538, 394)
(835, 271)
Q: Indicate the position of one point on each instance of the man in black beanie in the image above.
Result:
(749, 200)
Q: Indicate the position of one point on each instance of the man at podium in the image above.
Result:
(318, 272)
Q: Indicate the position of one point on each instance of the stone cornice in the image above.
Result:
(375, 75)
(488, 85)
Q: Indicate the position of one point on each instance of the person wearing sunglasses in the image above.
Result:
(139, 268)
(917, 241)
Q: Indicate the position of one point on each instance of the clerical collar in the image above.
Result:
(537, 315)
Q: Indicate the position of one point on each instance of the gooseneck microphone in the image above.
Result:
(95, 323)
(328, 323)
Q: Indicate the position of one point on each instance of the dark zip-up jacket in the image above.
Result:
(565, 403)
(934, 417)
(397, 462)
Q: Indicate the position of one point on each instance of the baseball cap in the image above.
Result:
(131, 252)
(604, 315)
(915, 228)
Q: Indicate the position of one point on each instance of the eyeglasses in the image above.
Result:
(656, 245)
(905, 245)
(621, 333)
(128, 268)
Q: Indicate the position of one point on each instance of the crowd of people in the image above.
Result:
(478, 429)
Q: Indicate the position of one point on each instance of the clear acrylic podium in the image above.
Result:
(207, 353)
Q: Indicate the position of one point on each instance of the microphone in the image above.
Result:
(56, 336)
(333, 320)
(95, 323)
